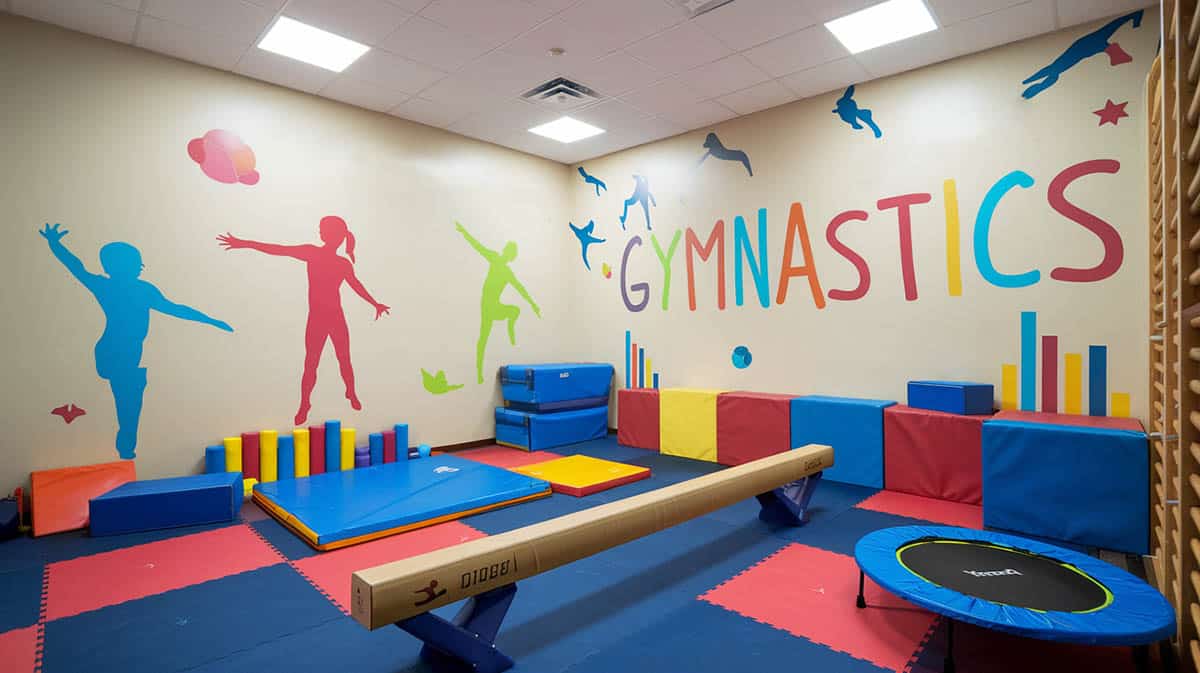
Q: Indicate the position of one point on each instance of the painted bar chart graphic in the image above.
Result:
(1019, 381)
(639, 371)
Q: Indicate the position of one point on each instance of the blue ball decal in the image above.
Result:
(741, 357)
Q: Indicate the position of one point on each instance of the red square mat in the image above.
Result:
(926, 509)
(18, 649)
(330, 572)
(503, 456)
(92, 582)
(810, 593)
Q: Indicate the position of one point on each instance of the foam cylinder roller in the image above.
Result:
(251, 456)
(316, 449)
(376, 448)
(347, 449)
(362, 460)
(389, 446)
(214, 459)
(333, 446)
(401, 439)
(233, 454)
(300, 441)
(268, 465)
(287, 457)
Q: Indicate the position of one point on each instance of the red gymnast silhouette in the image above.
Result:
(327, 270)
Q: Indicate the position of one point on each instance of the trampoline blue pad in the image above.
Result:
(336, 509)
(1136, 615)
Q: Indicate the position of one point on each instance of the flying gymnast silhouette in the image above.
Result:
(327, 270)
(584, 234)
(593, 180)
(1095, 42)
(715, 149)
(126, 301)
(491, 309)
(641, 194)
(850, 113)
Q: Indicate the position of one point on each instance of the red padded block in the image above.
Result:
(637, 417)
(1102, 422)
(933, 453)
(752, 426)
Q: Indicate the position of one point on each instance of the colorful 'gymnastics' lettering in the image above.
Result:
(644, 288)
(983, 225)
(953, 240)
(716, 239)
(1114, 250)
(903, 204)
(758, 270)
(796, 228)
(860, 264)
(664, 260)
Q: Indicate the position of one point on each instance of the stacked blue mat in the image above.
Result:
(552, 405)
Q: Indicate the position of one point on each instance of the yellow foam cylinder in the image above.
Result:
(300, 441)
(233, 454)
(268, 456)
(347, 448)
(248, 486)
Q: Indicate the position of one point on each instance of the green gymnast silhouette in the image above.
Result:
(435, 384)
(491, 309)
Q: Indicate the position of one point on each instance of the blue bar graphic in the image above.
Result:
(1097, 380)
(641, 368)
(1028, 360)
(628, 383)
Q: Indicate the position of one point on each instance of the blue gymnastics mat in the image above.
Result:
(338, 509)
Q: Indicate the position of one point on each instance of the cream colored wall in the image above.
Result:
(95, 136)
(963, 120)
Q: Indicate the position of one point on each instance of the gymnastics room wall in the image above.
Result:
(105, 148)
(963, 120)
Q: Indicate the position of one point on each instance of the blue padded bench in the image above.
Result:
(535, 432)
(555, 387)
(853, 427)
(166, 503)
(954, 397)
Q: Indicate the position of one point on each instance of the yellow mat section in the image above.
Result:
(583, 473)
(688, 423)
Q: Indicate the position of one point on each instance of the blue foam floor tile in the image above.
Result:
(606, 448)
(830, 500)
(20, 597)
(73, 544)
(284, 540)
(188, 627)
(840, 533)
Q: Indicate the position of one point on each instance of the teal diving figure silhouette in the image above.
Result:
(641, 194)
(584, 234)
(593, 180)
(1094, 43)
(718, 151)
(847, 108)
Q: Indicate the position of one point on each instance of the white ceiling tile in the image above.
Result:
(503, 119)
(393, 72)
(552, 5)
(953, 11)
(189, 44)
(427, 112)
(1001, 27)
(742, 25)
(458, 94)
(273, 5)
(506, 73)
(654, 128)
(127, 4)
(798, 51)
(614, 116)
(410, 5)
(704, 113)
(832, 76)
(662, 97)
(827, 10)
(724, 76)
(433, 44)
(582, 45)
(364, 94)
(680, 48)
(624, 21)
(365, 21)
(915, 52)
(491, 21)
(86, 16)
(283, 71)
(758, 97)
(614, 75)
(1075, 12)
(237, 20)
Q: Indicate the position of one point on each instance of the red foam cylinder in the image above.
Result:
(316, 449)
(389, 446)
(250, 455)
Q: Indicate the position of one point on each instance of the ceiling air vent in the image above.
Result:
(561, 93)
(698, 7)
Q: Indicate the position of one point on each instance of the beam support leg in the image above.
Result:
(466, 643)
(788, 504)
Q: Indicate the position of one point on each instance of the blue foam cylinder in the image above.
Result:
(287, 457)
(214, 459)
(333, 445)
(424, 450)
(401, 440)
(376, 439)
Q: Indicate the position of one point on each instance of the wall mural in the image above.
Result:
(584, 234)
(847, 108)
(718, 151)
(224, 157)
(1093, 44)
(491, 309)
(1111, 113)
(68, 412)
(435, 384)
(741, 357)
(641, 194)
(327, 270)
(126, 301)
(593, 180)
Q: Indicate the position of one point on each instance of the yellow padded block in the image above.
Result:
(583, 475)
(248, 486)
(688, 423)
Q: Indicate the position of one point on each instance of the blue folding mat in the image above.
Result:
(338, 509)
(535, 432)
(155, 504)
(555, 387)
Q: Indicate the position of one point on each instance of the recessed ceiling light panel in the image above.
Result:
(882, 24)
(566, 130)
(289, 37)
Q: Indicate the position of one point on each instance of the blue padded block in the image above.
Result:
(535, 432)
(166, 503)
(553, 387)
(1090, 486)
(954, 397)
(853, 427)
(214, 459)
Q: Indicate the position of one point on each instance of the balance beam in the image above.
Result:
(403, 592)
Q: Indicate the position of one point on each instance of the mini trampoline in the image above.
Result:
(1012, 584)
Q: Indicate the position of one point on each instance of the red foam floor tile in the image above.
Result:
(330, 571)
(504, 456)
(91, 582)
(18, 649)
(926, 509)
(810, 593)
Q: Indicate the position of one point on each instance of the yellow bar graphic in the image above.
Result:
(1120, 405)
(1073, 383)
(953, 240)
(1008, 386)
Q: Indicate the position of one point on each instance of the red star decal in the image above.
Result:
(1111, 113)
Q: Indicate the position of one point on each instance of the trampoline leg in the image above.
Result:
(788, 504)
(465, 644)
(948, 662)
(1166, 652)
(861, 601)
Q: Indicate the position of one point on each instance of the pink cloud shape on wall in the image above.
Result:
(224, 157)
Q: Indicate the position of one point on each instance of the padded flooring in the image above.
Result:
(723, 592)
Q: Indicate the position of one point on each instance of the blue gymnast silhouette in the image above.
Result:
(593, 180)
(126, 301)
(585, 237)
(641, 194)
(715, 149)
(850, 113)
(1092, 44)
